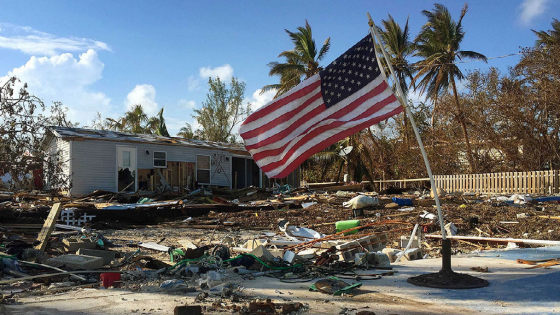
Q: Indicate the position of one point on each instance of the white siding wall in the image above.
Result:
(94, 163)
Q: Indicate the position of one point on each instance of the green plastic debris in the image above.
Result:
(333, 286)
(345, 225)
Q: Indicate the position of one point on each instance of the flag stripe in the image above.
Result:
(305, 111)
(282, 132)
(271, 107)
(280, 155)
(339, 134)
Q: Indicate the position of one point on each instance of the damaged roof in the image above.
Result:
(108, 135)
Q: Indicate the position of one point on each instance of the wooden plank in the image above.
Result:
(49, 226)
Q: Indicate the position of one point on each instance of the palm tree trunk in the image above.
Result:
(470, 157)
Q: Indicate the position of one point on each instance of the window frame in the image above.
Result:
(159, 159)
(204, 169)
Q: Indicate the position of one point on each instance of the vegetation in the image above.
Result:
(24, 123)
(301, 62)
(221, 113)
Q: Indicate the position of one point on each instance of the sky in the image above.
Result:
(106, 56)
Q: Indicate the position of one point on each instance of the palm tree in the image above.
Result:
(301, 63)
(397, 44)
(438, 43)
(552, 37)
(136, 119)
(399, 47)
(187, 132)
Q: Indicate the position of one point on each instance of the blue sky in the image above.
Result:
(102, 56)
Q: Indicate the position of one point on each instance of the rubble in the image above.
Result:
(210, 241)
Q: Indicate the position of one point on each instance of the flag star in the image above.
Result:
(353, 64)
(367, 59)
(339, 78)
(352, 81)
(367, 76)
(345, 56)
(349, 71)
(343, 70)
(346, 80)
(344, 64)
(336, 86)
(342, 87)
(376, 69)
(361, 75)
(365, 66)
(349, 89)
(334, 62)
(338, 95)
(330, 84)
(369, 68)
(330, 69)
(329, 100)
(359, 65)
(359, 83)
(332, 93)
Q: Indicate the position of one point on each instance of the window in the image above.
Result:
(160, 159)
(203, 169)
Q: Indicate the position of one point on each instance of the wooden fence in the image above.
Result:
(537, 182)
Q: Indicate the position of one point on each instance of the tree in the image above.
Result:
(222, 111)
(438, 43)
(399, 47)
(552, 37)
(23, 128)
(135, 121)
(301, 62)
(187, 133)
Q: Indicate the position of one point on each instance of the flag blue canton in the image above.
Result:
(349, 73)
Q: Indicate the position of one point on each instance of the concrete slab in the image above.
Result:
(513, 290)
(76, 262)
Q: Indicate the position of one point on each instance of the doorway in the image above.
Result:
(126, 169)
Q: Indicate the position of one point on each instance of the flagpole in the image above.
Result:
(446, 278)
(400, 93)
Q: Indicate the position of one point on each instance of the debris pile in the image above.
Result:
(211, 243)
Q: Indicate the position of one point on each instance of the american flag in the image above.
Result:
(349, 95)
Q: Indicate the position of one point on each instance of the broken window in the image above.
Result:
(203, 169)
(160, 159)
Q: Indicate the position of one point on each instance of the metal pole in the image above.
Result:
(374, 34)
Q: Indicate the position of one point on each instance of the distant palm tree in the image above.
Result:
(301, 63)
(156, 125)
(399, 47)
(552, 37)
(438, 43)
(136, 119)
(187, 132)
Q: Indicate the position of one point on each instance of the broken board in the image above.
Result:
(49, 226)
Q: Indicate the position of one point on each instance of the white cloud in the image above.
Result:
(225, 72)
(66, 79)
(145, 95)
(187, 104)
(192, 84)
(530, 9)
(258, 99)
(31, 41)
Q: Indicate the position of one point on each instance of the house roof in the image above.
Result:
(107, 135)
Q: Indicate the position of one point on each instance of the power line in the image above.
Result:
(467, 61)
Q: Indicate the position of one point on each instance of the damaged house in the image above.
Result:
(117, 161)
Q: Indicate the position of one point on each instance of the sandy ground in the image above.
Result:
(513, 290)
